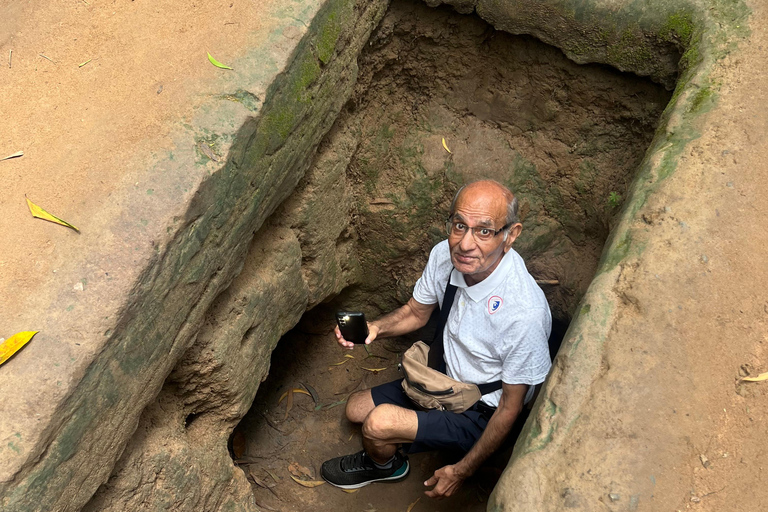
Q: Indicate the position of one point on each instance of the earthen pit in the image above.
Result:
(565, 138)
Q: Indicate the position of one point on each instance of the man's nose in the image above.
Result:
(467, 241)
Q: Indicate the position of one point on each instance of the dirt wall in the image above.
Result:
(565, 138)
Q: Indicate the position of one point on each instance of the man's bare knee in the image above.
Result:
(383, 422)
(359, 405)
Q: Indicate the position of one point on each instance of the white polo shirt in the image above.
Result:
(497, 329)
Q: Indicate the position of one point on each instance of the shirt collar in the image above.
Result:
(481, 290)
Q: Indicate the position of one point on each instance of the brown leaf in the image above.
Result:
(265, 507)
(272, 475)
(261, 483)
(256, 479)
(299, 471)
(308, 483)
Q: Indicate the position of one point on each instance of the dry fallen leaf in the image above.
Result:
(762, 376)
(299, 471)
(294, 390)
(375, 370)
(308, 483)
(350, 491)
(410, 507)
(312, 392)
(340, 362)
(261, 484)
(15, 155)
(14, 344)
(445, 146)
(265, 507)
(288, 404)
(42, 214)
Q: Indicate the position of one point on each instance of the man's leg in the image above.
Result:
(359, 406)
(385, 428)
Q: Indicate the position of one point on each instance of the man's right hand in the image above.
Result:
(373, 330)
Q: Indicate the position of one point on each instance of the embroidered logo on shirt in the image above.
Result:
(494, 303)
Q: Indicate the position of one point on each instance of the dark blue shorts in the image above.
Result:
(438, 430)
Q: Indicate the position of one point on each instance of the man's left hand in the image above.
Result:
(446, 481)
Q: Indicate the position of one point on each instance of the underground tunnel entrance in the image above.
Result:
(565, 138)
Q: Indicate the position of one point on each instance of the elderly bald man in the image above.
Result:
(497, 329)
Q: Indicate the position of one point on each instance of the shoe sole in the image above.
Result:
(363, 484)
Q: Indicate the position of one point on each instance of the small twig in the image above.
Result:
(269, 422)
(48, 58)
(553, 282)
(713, 492)
(10, 56)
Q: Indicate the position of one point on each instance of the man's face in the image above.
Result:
(480, 207)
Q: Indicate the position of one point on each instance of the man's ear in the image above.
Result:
(513, 233)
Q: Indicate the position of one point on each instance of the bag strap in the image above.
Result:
(435, 358)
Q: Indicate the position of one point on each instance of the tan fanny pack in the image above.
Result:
(431, 389)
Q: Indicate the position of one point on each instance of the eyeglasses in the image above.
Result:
(480, 233)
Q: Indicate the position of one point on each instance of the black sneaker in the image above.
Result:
(358, 470)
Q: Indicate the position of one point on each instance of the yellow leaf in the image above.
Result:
(350, 491)
(84, 63)
(14, 343)
(349, 356)
(288, 404)
(762, 376)
(217, 63)
(340, 362)
(294, 390)
(42, 214)
(308, 483)
(374, 369)
(410, 507)
(446, 146)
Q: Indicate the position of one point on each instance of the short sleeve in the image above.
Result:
(526, 357)
(430, 287)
